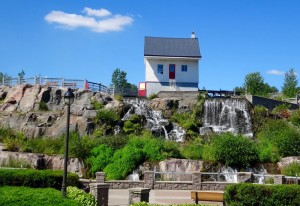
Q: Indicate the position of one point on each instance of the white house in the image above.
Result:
(171, 64)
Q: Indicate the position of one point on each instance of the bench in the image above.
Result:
(206, 195)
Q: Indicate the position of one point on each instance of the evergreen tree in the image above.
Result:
(289, 88)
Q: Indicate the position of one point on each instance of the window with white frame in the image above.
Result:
(160, 69)
(184, 68)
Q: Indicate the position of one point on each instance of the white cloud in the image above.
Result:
(275, 72)
(73, 21)
(96, 12)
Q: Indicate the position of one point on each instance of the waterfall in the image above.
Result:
(154, 120)
(227, 115)
(230, 174)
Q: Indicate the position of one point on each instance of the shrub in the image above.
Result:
(267, 152)
(124, 161)
(107, 116)
(35, 178)
(100, 158)
(43, 106)
(260, 117)
(193, 149)
(293, 169)
(80, 146)
(115, 142)
(284, 137)
(152, 96)
(295, 117)
(236, 151)
(282, 111)
(85, 199)
(244, 194)
(133, 125)
(16, 196)
(135, 152)
(97, 105)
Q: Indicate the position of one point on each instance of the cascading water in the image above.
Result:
(227, 115)
(230, 174)
(155, 121)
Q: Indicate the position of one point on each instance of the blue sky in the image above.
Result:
(88, 39)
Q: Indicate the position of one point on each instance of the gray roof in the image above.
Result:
(172, 47)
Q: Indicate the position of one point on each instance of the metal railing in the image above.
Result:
(57, 82)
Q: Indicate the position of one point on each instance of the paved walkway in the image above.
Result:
(163, 197)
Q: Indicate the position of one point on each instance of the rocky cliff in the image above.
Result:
(40, 111)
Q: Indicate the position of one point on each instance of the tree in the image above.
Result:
(289, 88)
(5, 76)
(21, 74)
(118, 79)
(254, 84)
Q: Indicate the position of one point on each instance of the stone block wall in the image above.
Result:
(196, 183)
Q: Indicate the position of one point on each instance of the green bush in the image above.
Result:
(152, 96)
(193, 149)
(80, 196)
(133, 125)
(107, 116)
(236, 151)
(284, 137)
(97, 105)
(43, 106)
(282, 111)
(267, 151)
(244, 194)
(261, 114)
(187, 122)
(123, 162)
(80, 146)
(136, 151)
(295, 117)
(115, 141)
(17, 196)
(293, 169)
(35, 178)
(100, 158)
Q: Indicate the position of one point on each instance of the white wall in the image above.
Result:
(191, 76)
(185, 81)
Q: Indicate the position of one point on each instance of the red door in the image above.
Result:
(142, 89)
(172, 71)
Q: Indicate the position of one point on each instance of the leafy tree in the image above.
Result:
(270, 89)
(239, 90)
(118, 79)
(254, 84)
(289, 88)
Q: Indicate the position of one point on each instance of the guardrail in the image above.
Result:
(57, 82)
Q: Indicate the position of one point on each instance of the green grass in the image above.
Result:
(24, 196)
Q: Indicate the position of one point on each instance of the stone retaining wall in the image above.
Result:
(195, 184)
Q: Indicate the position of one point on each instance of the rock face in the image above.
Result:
(21, 109)
(40, 161)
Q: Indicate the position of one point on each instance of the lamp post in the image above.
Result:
(69, 99)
